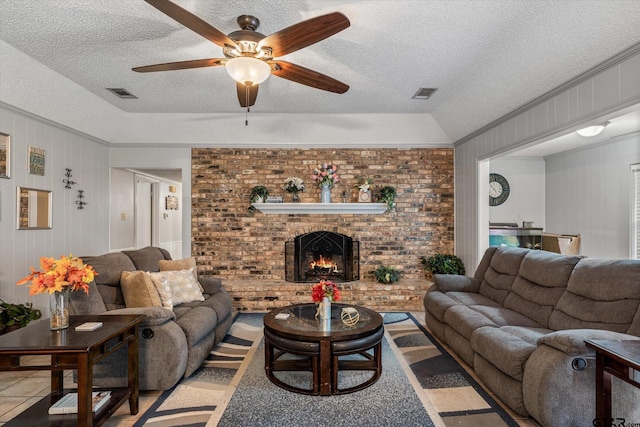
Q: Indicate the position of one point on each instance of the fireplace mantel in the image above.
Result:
(321, 208)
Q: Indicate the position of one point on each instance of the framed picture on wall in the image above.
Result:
(171, 203)
(35, 157)
(5, 155)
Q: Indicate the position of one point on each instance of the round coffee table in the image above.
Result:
(302, 342)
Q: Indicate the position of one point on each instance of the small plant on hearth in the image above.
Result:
(442, 264)
(386, 274)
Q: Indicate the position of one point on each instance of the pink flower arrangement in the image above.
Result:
(326, 288)
(325, 174)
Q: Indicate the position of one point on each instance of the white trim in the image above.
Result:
(321, 208)
(634, 238)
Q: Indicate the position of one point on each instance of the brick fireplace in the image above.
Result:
(248, 250)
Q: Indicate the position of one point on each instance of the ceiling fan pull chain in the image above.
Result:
(246, 115)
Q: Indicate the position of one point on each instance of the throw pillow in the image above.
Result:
(163, 288)
(184, 287)
(180, 264)
(138, 290)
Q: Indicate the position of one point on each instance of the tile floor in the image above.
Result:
(19, 390)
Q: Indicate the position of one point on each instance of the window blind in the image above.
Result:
(635, 218)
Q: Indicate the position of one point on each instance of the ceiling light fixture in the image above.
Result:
(592, 130)
(247, 70)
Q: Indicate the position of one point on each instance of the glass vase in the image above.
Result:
(59, 309)
(325, 314)
(325, 194)
(294, 197)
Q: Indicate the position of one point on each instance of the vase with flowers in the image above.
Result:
(325, 175)
(323, 294)
(57, 278)
(294, 185)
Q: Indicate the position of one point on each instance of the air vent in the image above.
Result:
(121, 93)
(424, 93)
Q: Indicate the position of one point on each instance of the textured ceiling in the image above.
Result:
(485, 57)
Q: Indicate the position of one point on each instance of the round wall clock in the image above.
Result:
(498, 189)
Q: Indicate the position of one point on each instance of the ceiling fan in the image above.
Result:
(250, 56)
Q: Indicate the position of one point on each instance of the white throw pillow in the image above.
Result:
(164, 290)
(184, 287)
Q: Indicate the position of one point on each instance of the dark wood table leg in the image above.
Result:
(85, 384)
(325, 368)
(132, 372)
(57, 379)
(603, 390)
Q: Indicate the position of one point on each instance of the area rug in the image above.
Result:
(421, 385)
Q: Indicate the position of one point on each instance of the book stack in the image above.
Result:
(68, 404)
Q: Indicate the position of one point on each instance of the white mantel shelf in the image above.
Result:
(321, 208)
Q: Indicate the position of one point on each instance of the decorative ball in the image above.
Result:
(350, 316)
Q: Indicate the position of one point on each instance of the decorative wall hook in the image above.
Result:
(81, 203)
(67, 181)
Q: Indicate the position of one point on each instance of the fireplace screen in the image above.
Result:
(322, 255)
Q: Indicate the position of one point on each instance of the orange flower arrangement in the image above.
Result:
(326, 288)
(56, 275)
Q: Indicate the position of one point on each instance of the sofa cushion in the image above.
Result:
(138, 290)
(503, 316)
(109, 267)
(196, 322)
(505, 351)
(465, 321)
(501, 273)
(437, 303)
(147, 259)
(601, 294)
(180, 264)
(91, 303)
(541, 281)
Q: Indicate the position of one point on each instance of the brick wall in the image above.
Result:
(247, 251)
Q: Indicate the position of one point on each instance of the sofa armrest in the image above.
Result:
(454, 282)
(571, 341)
(210, 284)
(155, 315)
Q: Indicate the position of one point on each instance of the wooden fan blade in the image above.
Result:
(305, 33)
(192, 22)
(304, 76)
(182, 65)
(242, 94)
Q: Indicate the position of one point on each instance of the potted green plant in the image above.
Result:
(15, 316)
(386, 274)
(258, 194)
(442, 264)
(388, 195)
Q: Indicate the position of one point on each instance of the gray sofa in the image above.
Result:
(173, 343)
(521, 322)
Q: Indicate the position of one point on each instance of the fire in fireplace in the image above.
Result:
(322, 255)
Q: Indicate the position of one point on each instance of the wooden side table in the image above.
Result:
(71, 349)
(617, 358)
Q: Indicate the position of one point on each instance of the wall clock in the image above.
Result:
(498, 189)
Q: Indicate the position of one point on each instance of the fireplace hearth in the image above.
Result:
(322, 255)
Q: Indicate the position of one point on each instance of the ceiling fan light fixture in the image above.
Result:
(247, 70)
(592, 130)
